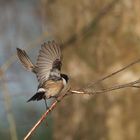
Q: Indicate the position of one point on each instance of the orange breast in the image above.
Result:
(53, 88)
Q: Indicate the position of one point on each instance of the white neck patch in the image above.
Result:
(64, 81)
(41, 90)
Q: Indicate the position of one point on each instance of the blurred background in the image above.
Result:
(98, 37)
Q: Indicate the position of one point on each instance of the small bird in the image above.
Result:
(48, 71)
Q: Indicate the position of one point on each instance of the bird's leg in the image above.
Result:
(46, 108)
(46, 104)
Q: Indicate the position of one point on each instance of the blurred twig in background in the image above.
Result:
(6, 93)
(12, 59)
(7, 103)
(72, 39)
(87, 30)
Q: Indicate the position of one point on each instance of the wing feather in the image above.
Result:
(48, 54)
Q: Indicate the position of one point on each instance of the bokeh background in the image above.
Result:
(98, 37)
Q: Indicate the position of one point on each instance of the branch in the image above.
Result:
(71, 92)
(40, 120)
(88, 91)
(116, 87)
(45, 114)
(114, 73)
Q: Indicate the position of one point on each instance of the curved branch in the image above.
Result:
(114, 73)
(116, 87)
(71, 92)
(40, 120)
(88, 91)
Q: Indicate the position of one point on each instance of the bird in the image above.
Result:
(47, 70)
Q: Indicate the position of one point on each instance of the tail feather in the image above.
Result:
(25, 60)
(38, 96)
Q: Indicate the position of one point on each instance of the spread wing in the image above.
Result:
(49, 59)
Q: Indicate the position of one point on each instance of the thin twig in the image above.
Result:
(45, 114)
(71, 92)
(114, 73)
(40, 120)
(116, 87)
(136, 86)
(82, 92)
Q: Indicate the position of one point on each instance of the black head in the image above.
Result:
(65, 77)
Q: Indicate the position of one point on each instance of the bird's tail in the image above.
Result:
(25, 60)
(38, 96)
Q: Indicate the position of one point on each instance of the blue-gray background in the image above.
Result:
(98, 38)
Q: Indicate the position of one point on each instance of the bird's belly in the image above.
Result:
(54, 90)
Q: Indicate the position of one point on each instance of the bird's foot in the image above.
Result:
(56, 98)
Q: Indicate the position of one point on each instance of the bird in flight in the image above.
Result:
(48, 71)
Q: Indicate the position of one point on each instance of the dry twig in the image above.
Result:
(132, 84)
(40, 120)
(114, 73)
